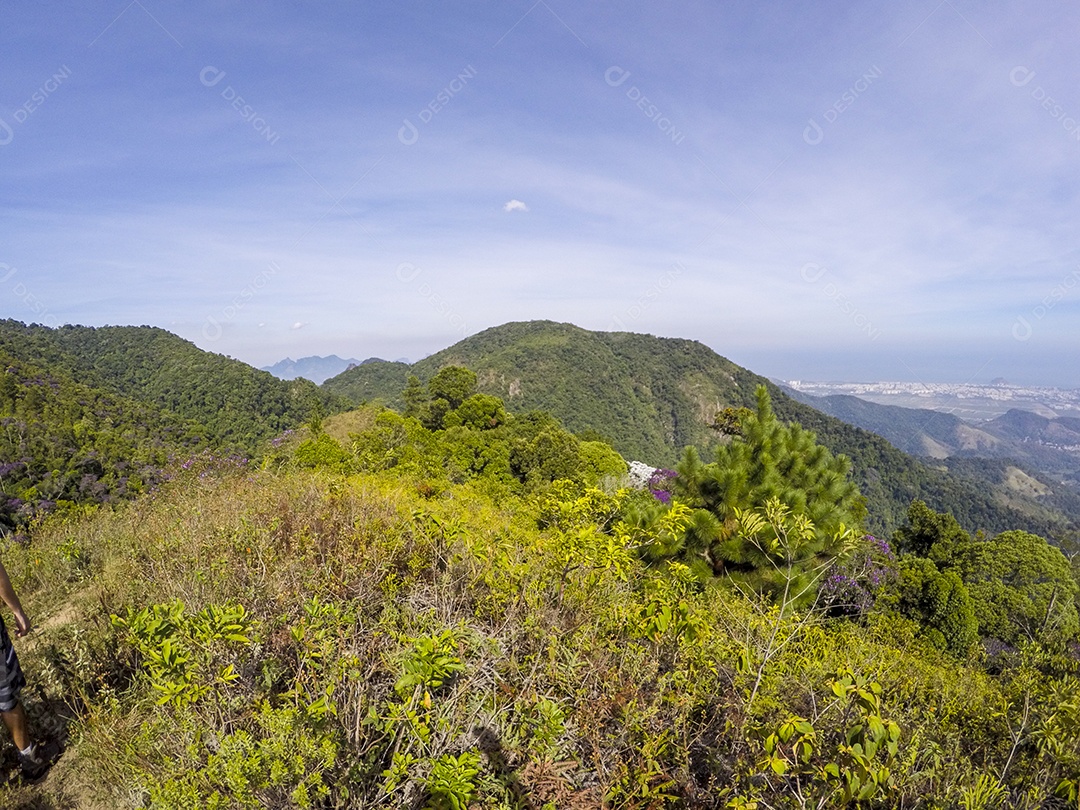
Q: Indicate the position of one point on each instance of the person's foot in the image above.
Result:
(35, 764)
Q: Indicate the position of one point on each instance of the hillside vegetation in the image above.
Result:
(93, 415)
(460, 607)
(652, 397)
(64, 443)
(238, 406)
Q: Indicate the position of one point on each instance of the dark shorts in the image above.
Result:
(11, 674)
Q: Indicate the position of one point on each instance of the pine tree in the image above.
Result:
(766, 463)
(769, 460)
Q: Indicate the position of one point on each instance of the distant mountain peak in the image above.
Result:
(314, 368)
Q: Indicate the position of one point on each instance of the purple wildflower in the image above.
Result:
(851, 587)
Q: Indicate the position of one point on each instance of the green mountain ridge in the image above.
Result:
(91, 415)
(1027, 437)
(61, 440)
(648, 396)
(651, 396)
(238, 406)
(1021, 455)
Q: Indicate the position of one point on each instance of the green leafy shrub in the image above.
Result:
(323, 451)
(429, 662)
(940, 603)
(850, 761)
(287, 760)
(183, 655)
(452, 785)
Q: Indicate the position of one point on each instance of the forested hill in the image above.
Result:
(63, 441)
(918, 431)
(650, 397)
(237, 406)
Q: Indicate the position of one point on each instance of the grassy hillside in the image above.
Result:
(651, 397)
(304, 639)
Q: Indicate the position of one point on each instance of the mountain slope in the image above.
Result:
(651, 397)
(238, 406)
(1059, 432)
(1049, 444)
(63, 441)
(920, 432)
(381, 380)
(1018, 445)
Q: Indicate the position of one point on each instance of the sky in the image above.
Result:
(828, 191)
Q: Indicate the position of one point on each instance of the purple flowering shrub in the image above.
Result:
(851, 587)
(208, 462)
(661, 483)
(280, 439)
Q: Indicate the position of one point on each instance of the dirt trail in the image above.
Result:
(61, 787)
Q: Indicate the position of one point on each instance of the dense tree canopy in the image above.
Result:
(930, 534)
(62, 442)
(939, 602)
(238, 407)
(451, 433)
(1022, 588)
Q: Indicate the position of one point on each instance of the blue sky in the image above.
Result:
(836, 191)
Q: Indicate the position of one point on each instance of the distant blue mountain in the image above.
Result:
(316, 369)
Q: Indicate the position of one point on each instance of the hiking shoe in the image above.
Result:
(33, 765)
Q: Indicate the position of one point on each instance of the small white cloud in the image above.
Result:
(515, 205)
(299, 325)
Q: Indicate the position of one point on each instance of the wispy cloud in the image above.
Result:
(515, 205)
